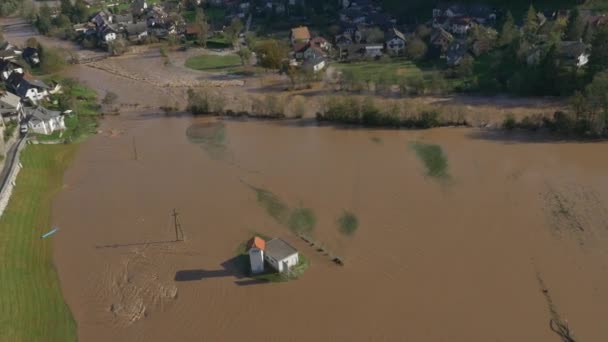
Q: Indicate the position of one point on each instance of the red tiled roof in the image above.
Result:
(257, 242)
(300, 33)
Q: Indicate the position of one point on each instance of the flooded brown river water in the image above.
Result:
(453, 260)
(515, 236)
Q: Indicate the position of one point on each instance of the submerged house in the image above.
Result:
(278, 253)
(44, 121)
(256, 254)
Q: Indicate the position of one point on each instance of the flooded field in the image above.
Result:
(451, 234)
(514, 236)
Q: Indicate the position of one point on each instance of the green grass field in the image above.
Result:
(31, 303)
(380, 70)
(214, 63)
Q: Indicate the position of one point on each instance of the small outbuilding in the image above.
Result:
(256, 254)
(280, 255)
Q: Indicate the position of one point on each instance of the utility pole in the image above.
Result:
(179, 233)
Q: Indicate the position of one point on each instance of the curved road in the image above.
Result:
(10, 160)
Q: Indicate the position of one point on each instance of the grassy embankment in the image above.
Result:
(31, 303)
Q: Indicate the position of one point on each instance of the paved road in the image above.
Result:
(10, 159)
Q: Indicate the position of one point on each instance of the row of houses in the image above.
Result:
(24, 94)
(143, 20)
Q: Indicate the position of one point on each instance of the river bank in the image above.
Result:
(31, 304)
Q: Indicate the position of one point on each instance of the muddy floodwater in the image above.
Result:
(515, 234)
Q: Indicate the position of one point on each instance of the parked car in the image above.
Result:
(23, 129)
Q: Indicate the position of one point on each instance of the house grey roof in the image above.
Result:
(137, 28)
(572, 49)
(40, 114)
(316, 60)
(441, 33)
(123, 18)
(9, 100)
(279, 249)
(456, 52)
(394, 33)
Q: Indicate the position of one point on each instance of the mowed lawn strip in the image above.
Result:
(31, 302)
(380, 70)
(213, 62)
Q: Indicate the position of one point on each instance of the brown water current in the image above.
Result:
(432, 260)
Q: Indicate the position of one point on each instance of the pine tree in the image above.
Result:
(530, 23)
(202, 26)
(508, 32)
(67, 8)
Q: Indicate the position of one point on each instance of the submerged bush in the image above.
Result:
(302, 221)
(348, 223)
(435, 161)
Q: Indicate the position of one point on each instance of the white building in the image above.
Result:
(280, 255)
(10, 106)
(44, 121)
(256, 254)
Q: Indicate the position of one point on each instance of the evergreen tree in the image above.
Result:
(549, 73)
(530, 23)
(598, 61)
(66, 8)
(202, 26)
(576, 25)
(80, 12)
(508, 33)
(43, 21)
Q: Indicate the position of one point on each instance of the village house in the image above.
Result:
(7, 67)
(456, 52)
(8, 51)
(298, 50)
(395, 42)
(136, 31)
(122, 20)
(101, 19)
(439, 42)
(321, 43)
(44, 121)
(574, 52)
(314, 64)
(280, 255)
(10, 107)
(30, 55)
(354, 52)
(139, 6)
(300, 35)
(276, 252)
(256, 254)
(107, 34)
(314, 52)
(27, 88)
(461, 25)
